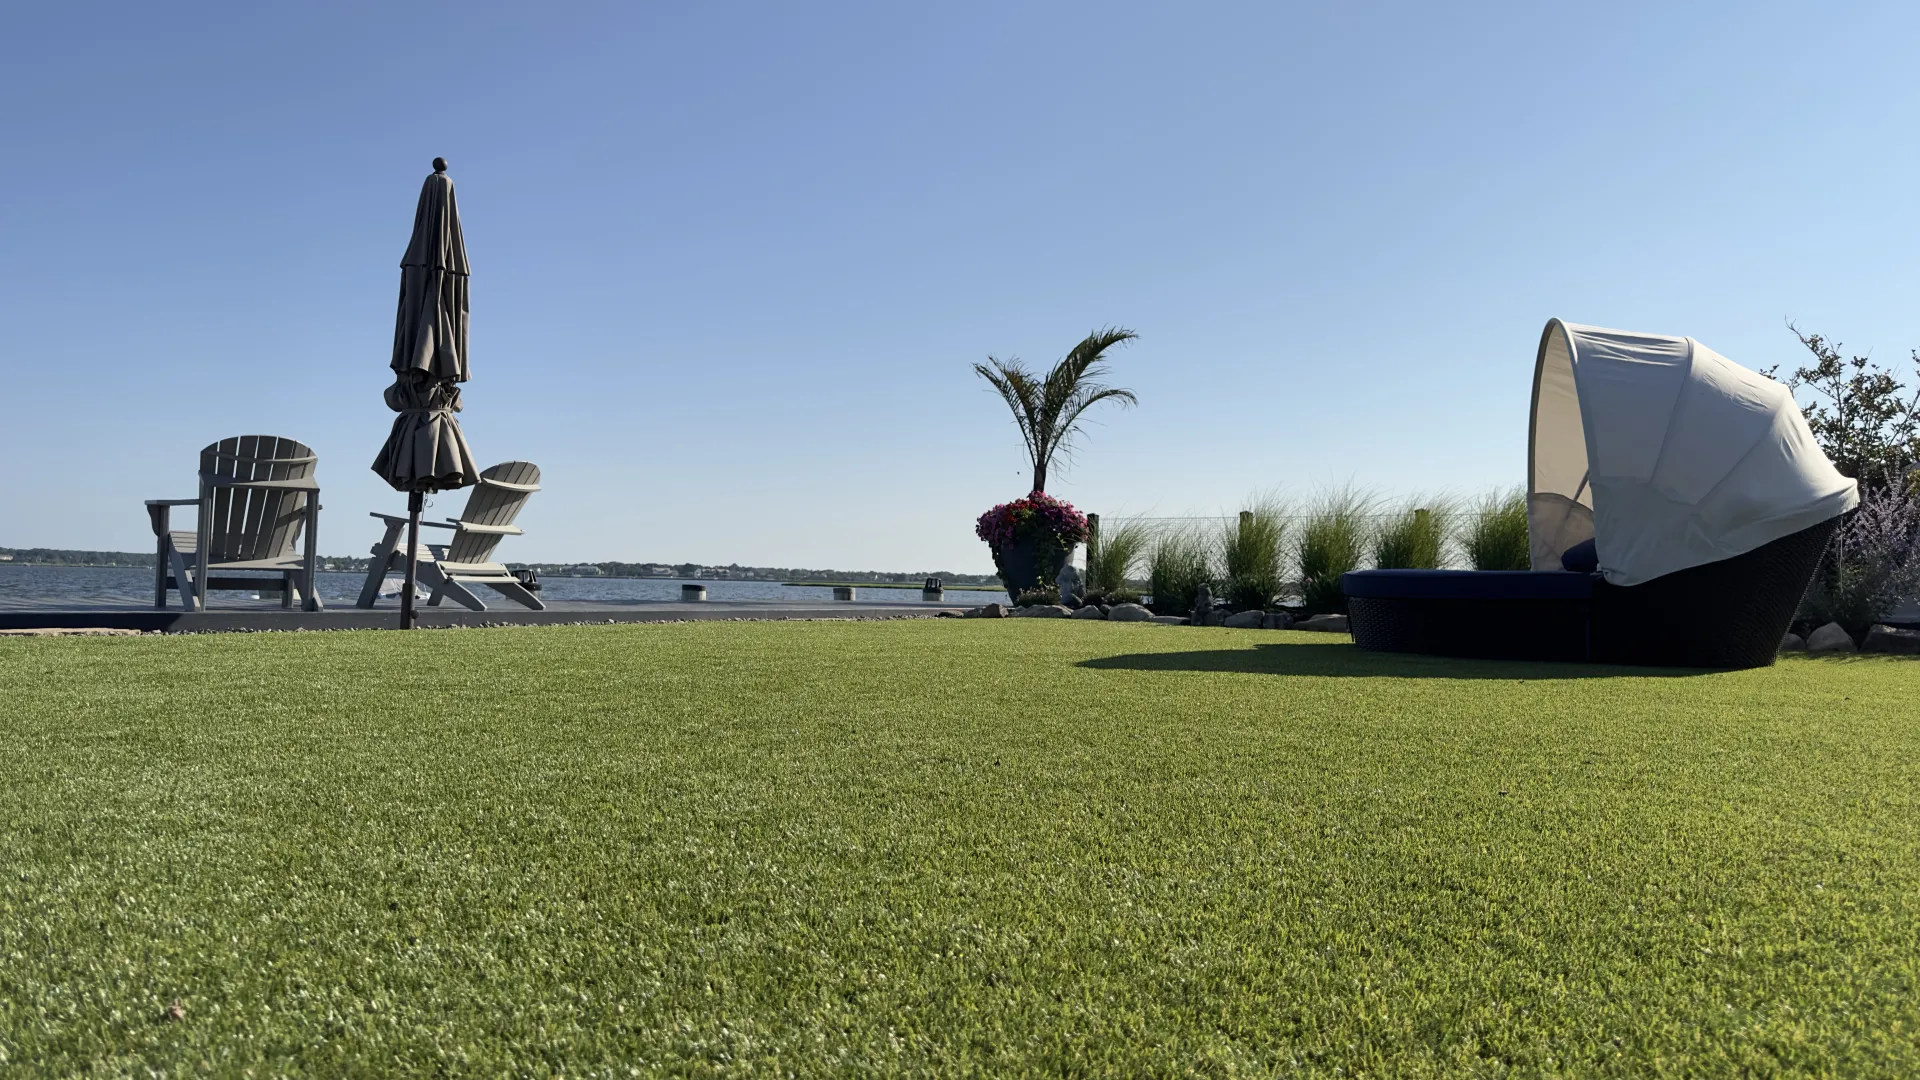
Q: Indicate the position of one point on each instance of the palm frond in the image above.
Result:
(1019, 389)
(1048, 410)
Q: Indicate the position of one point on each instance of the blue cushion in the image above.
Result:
(1467, 584)
(1581, 558)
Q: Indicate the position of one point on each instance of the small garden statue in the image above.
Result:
(1202, 604)
(1072, 589)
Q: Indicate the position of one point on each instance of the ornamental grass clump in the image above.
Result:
(1873, 562)
(1414, 537)
(1332, 541)
(1496, 533)
(1113, 555)
(1251, 550)
(1176, 568)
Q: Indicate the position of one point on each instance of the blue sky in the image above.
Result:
(732, 262)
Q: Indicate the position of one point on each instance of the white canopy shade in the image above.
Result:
(1667, 454)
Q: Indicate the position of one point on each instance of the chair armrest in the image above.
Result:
(489, 530)
(307, 484)
(401, 519)
(160, 514)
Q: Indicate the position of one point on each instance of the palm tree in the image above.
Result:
(1048, 410)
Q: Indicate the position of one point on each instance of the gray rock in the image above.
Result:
(1793, 643)
(1332, 624)
(1128, 613)
(1168, 620)
(1246, 620)
(1277, 620)
(1830, 639)
(1091, 611)
(1044, 611)
(994, 611)
(1888, 639)
(1202, 605)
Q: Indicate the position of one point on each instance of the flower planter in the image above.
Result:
(1026, 564)
(1031, 539)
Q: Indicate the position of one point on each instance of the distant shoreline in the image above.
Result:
(876, 585)
(974, 587)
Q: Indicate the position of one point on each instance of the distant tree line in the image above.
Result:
(63, 557)
(736, 572)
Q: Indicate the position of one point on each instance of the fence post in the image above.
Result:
(1093, 538)
(1246, 522)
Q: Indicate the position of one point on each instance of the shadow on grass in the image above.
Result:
(1343, 660)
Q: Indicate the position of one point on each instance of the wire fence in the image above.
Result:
(1155, 526)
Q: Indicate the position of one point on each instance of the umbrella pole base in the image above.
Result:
(409, 618)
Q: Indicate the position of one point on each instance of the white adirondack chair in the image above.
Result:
(258, 496)
(465, 560)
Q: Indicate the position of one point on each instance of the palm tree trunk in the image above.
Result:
(1040, 477)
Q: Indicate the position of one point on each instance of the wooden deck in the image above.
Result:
(252, 618)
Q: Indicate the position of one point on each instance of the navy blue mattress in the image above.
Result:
(1467, 585)
(1726, 614)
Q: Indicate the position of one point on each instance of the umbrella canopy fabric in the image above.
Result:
(426, 451)
(1666, 454)
(430, 332)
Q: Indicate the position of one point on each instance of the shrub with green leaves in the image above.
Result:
(1041, 594)
(1496, 533)
(1873, 562)
(1112, 555)
(1414, 538)
(1251, 549)
(1333, 540)
(1178, 564)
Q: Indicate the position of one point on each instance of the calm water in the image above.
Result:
(71, 586)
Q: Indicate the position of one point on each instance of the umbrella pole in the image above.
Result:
(408, 618)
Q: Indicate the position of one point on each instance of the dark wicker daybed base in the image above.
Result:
(1728, 614)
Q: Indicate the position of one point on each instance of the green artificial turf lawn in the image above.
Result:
(967, 847)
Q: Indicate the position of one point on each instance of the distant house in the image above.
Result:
(583, 570)
(6, 558)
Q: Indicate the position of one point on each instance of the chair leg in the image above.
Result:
(204, 534)
(286, 591)
(382, 562)
(518, 593)
(183, 580)
(160, 571)
(309, 599)
(448, 587)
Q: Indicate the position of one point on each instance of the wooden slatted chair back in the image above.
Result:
(253, 523)
(496, 500)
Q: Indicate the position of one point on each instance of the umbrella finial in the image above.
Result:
(439, 164)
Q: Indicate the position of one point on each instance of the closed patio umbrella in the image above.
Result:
(425, 451)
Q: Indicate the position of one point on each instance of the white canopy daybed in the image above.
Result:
(1666, 453)
(1677, 506)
